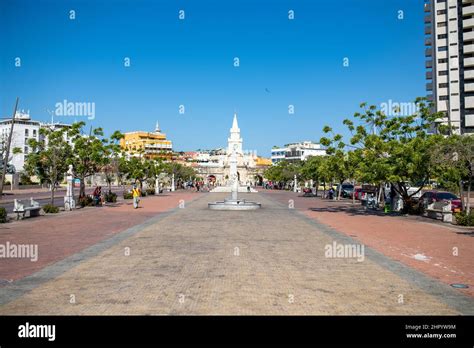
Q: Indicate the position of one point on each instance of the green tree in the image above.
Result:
(391, 149)
(89, 155)
(113, 153)
(49, 157)
(454, 156)
(283, 172)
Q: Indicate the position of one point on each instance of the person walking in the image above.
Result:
(136, 196)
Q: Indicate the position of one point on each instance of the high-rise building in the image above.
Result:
(449, 30)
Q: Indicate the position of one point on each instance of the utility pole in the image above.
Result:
(7, 151)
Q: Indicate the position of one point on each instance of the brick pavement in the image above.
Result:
(194, 261)
(64, 234)
(403, 239)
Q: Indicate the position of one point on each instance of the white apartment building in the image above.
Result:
(24, 129)
(449, 30)
(297, 152)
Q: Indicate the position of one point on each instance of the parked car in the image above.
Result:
(346, 190)
(358, 193)
(439, 196)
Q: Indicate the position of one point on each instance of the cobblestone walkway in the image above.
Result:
(196, 261)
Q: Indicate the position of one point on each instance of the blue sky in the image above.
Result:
(190, 63)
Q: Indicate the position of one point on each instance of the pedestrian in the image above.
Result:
(96, 196)
(136, 196)
(331, 193)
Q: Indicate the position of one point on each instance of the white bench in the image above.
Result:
(437, 209)
(21, 207)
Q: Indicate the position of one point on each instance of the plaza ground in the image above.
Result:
(174, 256)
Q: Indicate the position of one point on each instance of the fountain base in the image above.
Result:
(234, 204)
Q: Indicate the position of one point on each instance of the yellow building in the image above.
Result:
(148, 144)
(263, 162)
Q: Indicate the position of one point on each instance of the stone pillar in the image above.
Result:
(295, 186)
(15, 182)
(157, 186)
(172, 183)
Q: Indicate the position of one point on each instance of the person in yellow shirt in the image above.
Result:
(136, 196)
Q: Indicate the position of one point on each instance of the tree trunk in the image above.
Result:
(468, 205)
(339, 192)
(461, 195)
(353, 192)
(380, 194)
(53, 186)
(82, 187)
(324, 190)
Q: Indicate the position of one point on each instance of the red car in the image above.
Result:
(433, 196)
(358, 193)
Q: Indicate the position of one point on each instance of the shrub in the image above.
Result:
(127, 195)
(50, 209)
(86, 201)
(25, 179)
(463, 219)
(150, 191)
(111, 197)
(3, 215)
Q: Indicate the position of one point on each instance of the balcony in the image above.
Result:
(469, 48)
(429, 75)
(468, 36)
(468, 23)
(469, 102)
(469, 87)
(428, 41)
(428, 52)
(427, 8)
(468, 62)
(468, 74)
(427, 19)
(429, 64)
(429, 86)
(428, 30)
(468, 10)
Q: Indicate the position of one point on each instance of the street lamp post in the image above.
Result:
(7, 150)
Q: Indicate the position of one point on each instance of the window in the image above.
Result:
(442, 36)
(26, 150)
(441, 24)
(443, 97)
(445, 195)
(443, 85)
(26, 132)
(443, 73)
(34, 132)
(442, 48)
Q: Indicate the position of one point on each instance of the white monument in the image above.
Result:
(243, 165)
(69, 202)
(234, 203)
